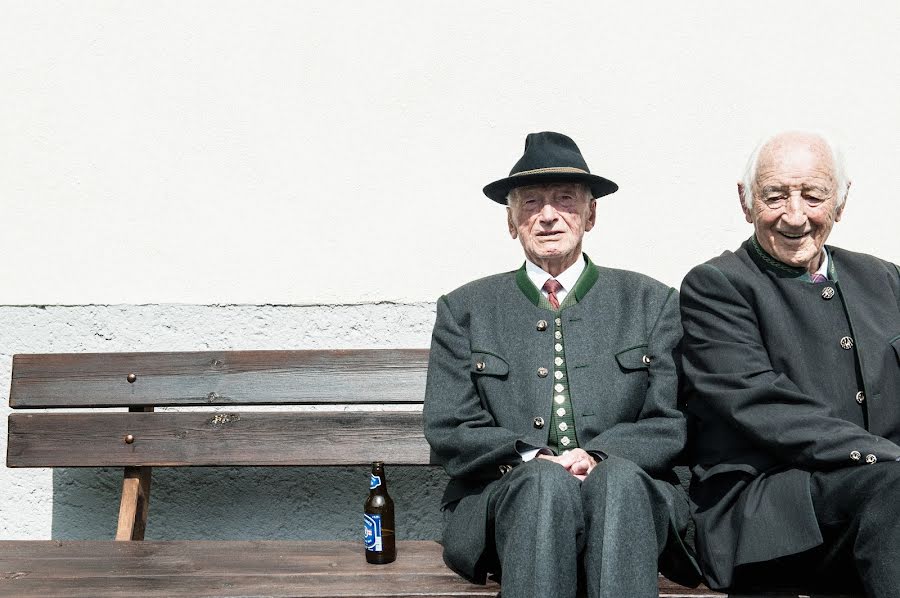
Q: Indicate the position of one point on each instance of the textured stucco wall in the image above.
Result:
(210, 503)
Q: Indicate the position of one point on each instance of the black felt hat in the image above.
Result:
(549, 158)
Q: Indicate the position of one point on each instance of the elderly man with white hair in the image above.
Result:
(791, 353)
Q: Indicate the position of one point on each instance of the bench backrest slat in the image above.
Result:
(200, 439)
(376, 376)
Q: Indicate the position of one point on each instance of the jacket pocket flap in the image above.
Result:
(895, 342)
(635, 358)
(489, 364)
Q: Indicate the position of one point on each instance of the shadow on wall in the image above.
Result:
(247, 503)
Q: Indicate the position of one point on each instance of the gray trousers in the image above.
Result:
(858, 510)
(548, 534)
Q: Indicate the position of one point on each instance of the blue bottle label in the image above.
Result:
(374, 481)
(373, 533)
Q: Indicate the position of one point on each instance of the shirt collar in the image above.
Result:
(823, 269)
(567, 279)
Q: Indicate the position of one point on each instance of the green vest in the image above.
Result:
(561, 435)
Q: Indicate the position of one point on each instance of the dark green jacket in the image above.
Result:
(776, 390)
(479, 419)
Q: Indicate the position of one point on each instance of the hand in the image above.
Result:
(577, 462)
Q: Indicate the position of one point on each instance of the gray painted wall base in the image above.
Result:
(211, 503)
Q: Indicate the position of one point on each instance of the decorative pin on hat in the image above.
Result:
(549, 158)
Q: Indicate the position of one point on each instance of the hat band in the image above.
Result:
(553, 169)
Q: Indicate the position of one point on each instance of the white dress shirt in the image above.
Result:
(567, 279)
(823, 269)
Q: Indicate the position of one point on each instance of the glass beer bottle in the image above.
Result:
(379, 516)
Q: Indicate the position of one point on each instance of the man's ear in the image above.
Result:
(747, 216)
(840, 211)
(592, 215)
(509, 222)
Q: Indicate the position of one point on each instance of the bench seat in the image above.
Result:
(307, 569)
(224, 568)
(104, 569)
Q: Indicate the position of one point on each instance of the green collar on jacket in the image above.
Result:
(584, 283)
(782, 270)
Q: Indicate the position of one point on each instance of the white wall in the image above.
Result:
(334, 152)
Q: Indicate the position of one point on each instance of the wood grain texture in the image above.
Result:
(300, 569)
(134, 504)
(380, 376)
(216, 439)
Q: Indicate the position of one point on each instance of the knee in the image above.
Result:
(544, 478)
(617, 468)
(616, 475)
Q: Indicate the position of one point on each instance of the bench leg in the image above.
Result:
(135, 502)
(135, 498)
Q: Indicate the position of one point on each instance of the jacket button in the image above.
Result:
(860, 397)
(542, 325)
(870, 458)
(846, 343)
(479, 366)
(645, 359)
(542, 372)
(827, 293)
(539, 422)
(505, 469)
(854, 455)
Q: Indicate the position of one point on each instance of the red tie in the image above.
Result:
(552, 287)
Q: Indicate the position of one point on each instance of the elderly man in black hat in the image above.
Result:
(551, 402)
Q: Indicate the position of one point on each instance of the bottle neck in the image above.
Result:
(377, 482)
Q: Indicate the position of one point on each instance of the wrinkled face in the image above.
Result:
(794, 200)
(550, 221)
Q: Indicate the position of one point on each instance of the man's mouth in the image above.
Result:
(793, 235)
(549, 233)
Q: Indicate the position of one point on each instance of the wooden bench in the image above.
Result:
(346, 427)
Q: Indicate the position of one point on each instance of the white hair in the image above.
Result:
(514, 192)
(837, 157)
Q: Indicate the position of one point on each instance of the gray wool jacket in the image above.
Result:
(620, 343)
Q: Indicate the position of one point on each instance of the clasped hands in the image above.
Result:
(578, 462)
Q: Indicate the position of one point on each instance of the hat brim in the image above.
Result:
(599, 186)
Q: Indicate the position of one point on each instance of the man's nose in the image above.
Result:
(795, 211)
(548, 212)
